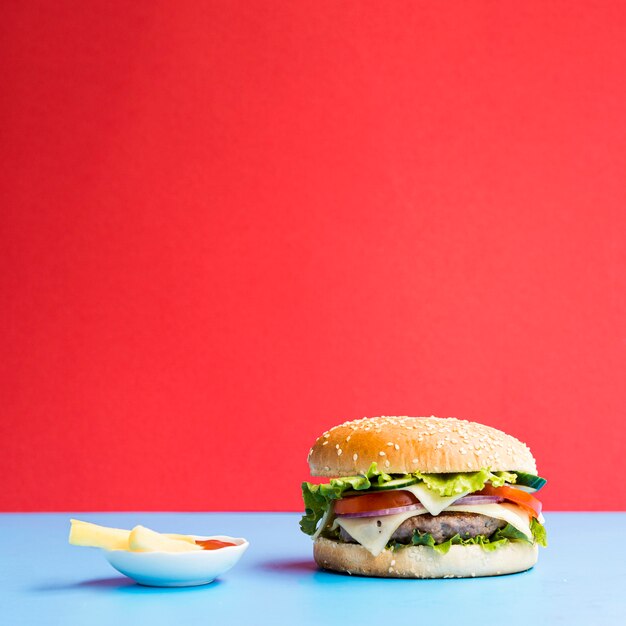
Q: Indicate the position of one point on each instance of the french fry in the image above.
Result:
(143, 539)
(92, 535)
(95, 536)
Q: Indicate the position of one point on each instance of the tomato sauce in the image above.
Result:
(213, 544)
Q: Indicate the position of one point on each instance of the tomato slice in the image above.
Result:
(374, 502)
(526, 500)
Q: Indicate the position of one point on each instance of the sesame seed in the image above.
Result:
(339, 452)
(325, 443)
(387, 464)
(381, 453)
(355, 457)
(396, 446)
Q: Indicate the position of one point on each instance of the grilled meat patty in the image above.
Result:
(442, 527)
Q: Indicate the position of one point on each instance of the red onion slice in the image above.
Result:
(478, 500)
(419, 508)
(382, 512)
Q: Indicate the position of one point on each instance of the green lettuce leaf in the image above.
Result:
(500, 538)
(317, 498)
(422, 539)
(484, 542)
(539, 532)
(509, 532)
(315, 505)
(452, 484)
(426, 539)
(503, 478)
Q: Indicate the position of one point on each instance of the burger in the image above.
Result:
(411, 497)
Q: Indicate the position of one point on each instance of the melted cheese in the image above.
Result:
(369, 534)
(511, 513)
(374, 537)
(432, 502)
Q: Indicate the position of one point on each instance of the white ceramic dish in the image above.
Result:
(178, 569)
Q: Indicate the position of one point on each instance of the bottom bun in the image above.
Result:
(424, 562)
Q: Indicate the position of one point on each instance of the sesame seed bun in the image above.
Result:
(401, 445)
(424, 562)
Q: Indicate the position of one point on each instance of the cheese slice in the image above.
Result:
(431, 501)
(374, 537)
(511, 513)
(369, 534)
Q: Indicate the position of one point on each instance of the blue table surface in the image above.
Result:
(580, 579)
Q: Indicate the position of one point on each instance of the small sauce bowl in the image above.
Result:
(178, 569)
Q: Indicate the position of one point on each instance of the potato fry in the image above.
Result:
(95, 536)
(92, 535)
(143, 539)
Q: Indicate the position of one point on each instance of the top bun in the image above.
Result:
(402, 445)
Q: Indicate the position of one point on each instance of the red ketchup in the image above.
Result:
(213, 544)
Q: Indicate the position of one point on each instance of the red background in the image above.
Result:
(227, 226)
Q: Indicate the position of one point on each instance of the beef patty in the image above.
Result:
(442, 527)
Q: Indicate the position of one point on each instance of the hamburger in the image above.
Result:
(411, 497)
